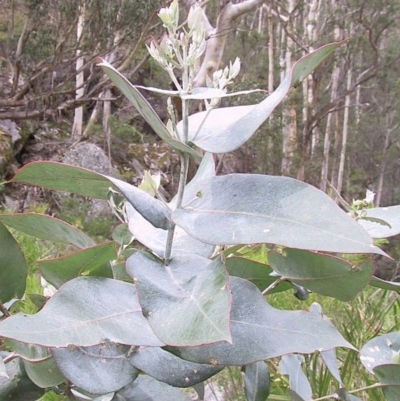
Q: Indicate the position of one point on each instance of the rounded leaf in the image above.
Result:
(261, 332)
(99, 369)
(85, 311)
(186, 302)
(170, 369)
(381, 350)
(252, 208)
(324, 274)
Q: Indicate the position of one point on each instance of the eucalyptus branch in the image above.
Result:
(14, 355)
(273, 285)
(3, 309)
(358, 390)
(179, 198)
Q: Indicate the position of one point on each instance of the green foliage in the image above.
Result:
(199, 297)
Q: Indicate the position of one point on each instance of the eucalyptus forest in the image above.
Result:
(199, 200)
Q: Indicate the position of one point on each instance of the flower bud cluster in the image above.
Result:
(222, 78)
(180, 50)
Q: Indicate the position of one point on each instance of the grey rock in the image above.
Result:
(11, 129)
(92, 157)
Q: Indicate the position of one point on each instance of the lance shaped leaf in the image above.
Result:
(324, 274)
(145, 110)
(13, 268)
(186, 302)
(148, 389)
(62, 177)
(226, 129)
(150, 208)
(47, 228)
(85, 311)
(156, 238)
(385, 285)
(331, 362)
(261, 332)
(84, 182)
(381, 350)
(256, 381)
(98, 369)
(328, 356)
(378, 229)
(290, 365)
(252, 208)
(170, 369)
(94, 261)
(200, 93)
(200, 390)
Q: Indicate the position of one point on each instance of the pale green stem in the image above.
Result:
(14, 355)
(4, 310)
(358, 390)
(273, 285)
(184, 165)
(179, 198)
(202, 123)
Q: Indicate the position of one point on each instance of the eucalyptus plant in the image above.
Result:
(194, 299)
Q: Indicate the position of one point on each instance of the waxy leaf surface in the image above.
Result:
(145, 388)
(206, 170)
(385, 285)
(47, 228)
(290, 365)
(156, 239)
(170, 369)
(94, 261)
(261, 332)
(252, 208)
(98, 369)
(17, 386)
(390, 215)
(256, 272)
(323, 274)
(389, 376)
(84, 182)
(13, 268)
(43, 372)
(145, 110)
(256, 381)
(62, 177)
(150, 208)
(381, 350)
(85, 311)
(186, 302)
(226, 129)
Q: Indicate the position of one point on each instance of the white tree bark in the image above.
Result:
(80, 88)
(389, 128)
(311, 32)
(332, 115)
(289, 130)
(344, 132)
(270, 51)
(216, 37)
(329, 128)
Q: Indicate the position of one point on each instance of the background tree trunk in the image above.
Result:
(77, 126)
